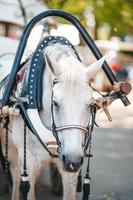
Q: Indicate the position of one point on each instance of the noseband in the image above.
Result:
(71, 127)
(87, 130)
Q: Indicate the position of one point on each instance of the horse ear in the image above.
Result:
(94, 68)
(52, 64)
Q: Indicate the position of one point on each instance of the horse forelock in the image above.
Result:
(57, 51)
(72, 71)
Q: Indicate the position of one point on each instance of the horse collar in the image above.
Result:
(35, 73)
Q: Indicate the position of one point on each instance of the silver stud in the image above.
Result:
(32, 75)
(34, 64)
(50, 38)
(45, 41)
(39, 50)
(31, 97)
(31, 92)
(31, 80)
(35, 59)
(66, 41)
(37, 54)
(31, 86)
(33, 70)
(61, 38)
(31, 103)
(42, 45)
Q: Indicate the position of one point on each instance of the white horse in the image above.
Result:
(66, 81)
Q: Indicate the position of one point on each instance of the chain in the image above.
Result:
(25, 184)
(87, 178)
(88, 164)
(6, 160)
(24, 166)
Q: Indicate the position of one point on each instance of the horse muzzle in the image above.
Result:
(72, 163)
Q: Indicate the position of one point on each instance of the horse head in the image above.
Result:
(70, 107)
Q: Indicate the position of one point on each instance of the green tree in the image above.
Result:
(75, 7)
(117, 13)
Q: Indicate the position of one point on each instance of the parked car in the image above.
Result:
(121, 56)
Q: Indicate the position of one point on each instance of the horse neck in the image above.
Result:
(46, 98)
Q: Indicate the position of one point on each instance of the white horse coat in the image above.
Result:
(71, 100)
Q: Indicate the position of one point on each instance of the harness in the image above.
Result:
(31, 79)
(33, 90)
(32, 87)
(30, 94)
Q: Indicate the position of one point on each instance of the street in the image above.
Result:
(112, 164)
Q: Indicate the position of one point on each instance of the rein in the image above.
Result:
(30, 126)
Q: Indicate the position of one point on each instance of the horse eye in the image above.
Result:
(88, 106)
(55, 104)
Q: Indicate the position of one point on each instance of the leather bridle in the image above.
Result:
(87, 130)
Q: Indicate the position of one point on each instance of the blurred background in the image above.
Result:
(110, 24)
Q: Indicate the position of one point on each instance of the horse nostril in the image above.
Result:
(82, 159)
(63, 158)
(72, 162)
(78, 164)
(65, 161)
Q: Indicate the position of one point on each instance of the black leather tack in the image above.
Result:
(35, 73)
